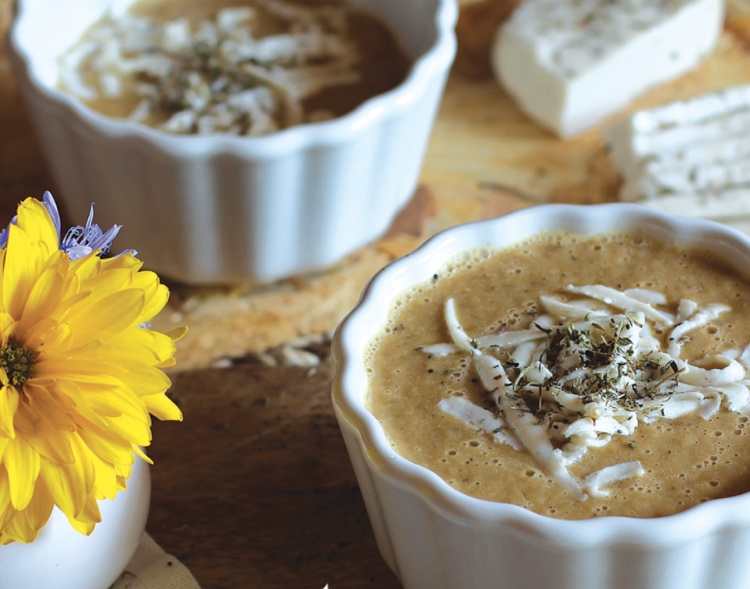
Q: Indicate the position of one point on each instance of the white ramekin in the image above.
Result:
(209, 209)
(62, 558)
(434, 536)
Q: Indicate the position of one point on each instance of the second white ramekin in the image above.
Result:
(210, 209)
(434, 536)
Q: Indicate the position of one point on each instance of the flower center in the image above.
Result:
(18, 362)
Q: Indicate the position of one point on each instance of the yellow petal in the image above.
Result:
(44, 297)
(3, 445)
(25, 525)
(157, 295)
(49, 336)
(111, 314)
(79, 371)
(6, 321)
(22, 463)
(116, 401)
(124, 470)
(87, 519)
(108, 281)
(162, 344)
(55, 448)
(131, 429)
(146, 380)
(31, 241)
(70, 393)
(109, 446)
(2, 298)
(178, 333)
(6, 508)
(9, 399)
(105, 478)
(35, 220)
(86, 459)
(42, 402)
(131, 347)
(73, 300)
(86, 267)
(168, 363)
(162, 407)
(38, 511)
(18, 270)
(66, 485)
(126, 260)
(51, 437)
(143, 455)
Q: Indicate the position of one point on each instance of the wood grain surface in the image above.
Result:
(254, 488)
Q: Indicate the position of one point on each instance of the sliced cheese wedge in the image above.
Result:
(572, 63)
(690, 157)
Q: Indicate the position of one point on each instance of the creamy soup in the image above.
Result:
(247, 67)
(644, 450)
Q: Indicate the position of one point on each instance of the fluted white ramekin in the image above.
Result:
(62, 558)
(434, 536)
(218, 208)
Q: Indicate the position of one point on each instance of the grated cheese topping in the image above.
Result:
(591, 370)
(221, 77)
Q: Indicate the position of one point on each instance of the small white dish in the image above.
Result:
(63, 558)
(212, 209)
(434, 536)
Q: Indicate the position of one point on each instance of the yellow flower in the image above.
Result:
(80, 375)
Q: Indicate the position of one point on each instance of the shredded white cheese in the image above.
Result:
(594, 482)
(221, 77)
(480, 418)
(590, 371)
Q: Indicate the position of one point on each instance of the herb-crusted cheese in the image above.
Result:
(590, 370)
(690, 157)
(572, 63)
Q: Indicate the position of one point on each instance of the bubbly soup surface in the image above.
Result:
(687, 460)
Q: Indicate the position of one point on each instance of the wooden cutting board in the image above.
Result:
(254, 488)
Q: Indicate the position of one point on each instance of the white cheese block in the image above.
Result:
(690, 157)
(572, 63)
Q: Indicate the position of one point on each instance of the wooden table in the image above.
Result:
(254, 488)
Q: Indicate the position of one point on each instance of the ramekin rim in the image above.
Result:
(432, 63)
(691, 523)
